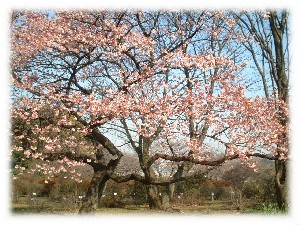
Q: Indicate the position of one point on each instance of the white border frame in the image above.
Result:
(6, 7)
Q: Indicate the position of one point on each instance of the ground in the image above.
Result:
(43, 206)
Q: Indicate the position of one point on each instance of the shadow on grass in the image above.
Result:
(132, 208)
(35, 210)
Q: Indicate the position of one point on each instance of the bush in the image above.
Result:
(112, 202)
(26, 185)
(67, 188)
(131, 192)
(261, 188)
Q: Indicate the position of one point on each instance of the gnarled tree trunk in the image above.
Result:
(101, 187)
(153, 197)
(163, 201)
(167, 196)
(91, 199)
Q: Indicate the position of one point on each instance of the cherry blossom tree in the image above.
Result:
(199, 129)
(145, 75)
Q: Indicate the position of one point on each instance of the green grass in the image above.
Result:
(268, 209)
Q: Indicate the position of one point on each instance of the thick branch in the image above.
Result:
(105, 142)
(164, 182)
(97, 165)
(189, 159)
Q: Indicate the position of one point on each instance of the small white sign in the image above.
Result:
(33, 193)
(115, 193)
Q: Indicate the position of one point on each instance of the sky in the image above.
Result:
(7, 6)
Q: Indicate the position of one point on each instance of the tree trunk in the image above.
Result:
(153, 197)
(101, 187)
(90, 201)
(158, 202)
(280, 183)
(171, 190)
(165, 200)
(167, 196)
(278, 62)
(278, 24)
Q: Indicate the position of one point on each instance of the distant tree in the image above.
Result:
(255, 185)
